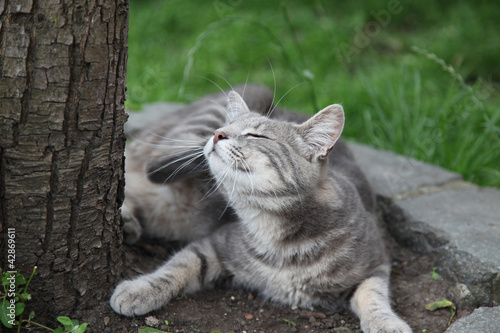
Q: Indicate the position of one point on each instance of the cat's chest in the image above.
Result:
(290, 277)
(289, 285)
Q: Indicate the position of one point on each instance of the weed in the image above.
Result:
(13, 303)
(290, 323)
(434, 274)
(450, 69)
(443, 303)
(150, 330)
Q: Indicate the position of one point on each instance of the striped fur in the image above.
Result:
(167, 179)
(304, 233)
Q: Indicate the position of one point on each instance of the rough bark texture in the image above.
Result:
(62, 92)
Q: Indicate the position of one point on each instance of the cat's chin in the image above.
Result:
(209, 147)
(215, 161)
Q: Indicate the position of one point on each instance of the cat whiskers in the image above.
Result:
(215, 83)
(167, 142)
(248, 172)
(269, 113)
(271, 108)
(195, 154)
(218, 182)
(178, 169)
(230, 195)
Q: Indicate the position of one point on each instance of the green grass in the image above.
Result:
(441, 108)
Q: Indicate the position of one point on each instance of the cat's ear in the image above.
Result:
(235, 105)
(322, 130)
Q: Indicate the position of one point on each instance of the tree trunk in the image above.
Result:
(62, 92)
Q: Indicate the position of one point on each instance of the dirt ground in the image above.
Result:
(223, 310)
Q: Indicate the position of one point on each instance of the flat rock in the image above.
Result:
(469, 219)
(432, 210)
(482, 320)
(391, 174)
(461, 228)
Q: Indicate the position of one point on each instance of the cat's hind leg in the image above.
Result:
(188, 271)
(371, 303)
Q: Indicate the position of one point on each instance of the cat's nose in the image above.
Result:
(219, 135)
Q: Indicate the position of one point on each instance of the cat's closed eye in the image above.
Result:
(258, 136)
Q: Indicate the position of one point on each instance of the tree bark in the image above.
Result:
(62, 93)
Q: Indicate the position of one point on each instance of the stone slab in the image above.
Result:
(391, 174)
(461, 228)
(482, 320)
(470, 219)
(432, 210)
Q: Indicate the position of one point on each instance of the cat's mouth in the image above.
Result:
(209, 147)
(237, 161)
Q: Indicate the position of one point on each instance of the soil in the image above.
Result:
(226, 310)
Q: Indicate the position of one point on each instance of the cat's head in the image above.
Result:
(268, 162)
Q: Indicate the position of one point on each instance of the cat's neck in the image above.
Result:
(275, 237)
(261, 225)
(274, 221)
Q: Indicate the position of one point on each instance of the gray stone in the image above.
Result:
(342, 330)
(470, 219)
(152, 321)
(482, 320)
(433, 210)
(463, 296)
(461, 228)
(391, 174)
(138, 120)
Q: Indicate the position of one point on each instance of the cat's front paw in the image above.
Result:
(135, 298)
(390, 324)
(132, 230)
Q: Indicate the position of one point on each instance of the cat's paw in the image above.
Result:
(392, 324)
(132, 229)
(135, 298)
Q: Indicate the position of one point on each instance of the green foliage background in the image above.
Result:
(317, 53)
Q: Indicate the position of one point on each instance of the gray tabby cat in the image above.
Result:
(304, 232)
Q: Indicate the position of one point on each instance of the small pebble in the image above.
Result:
(342, 330)
(329, 322)
(248, 316)
(151, 321)
(307, 314)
